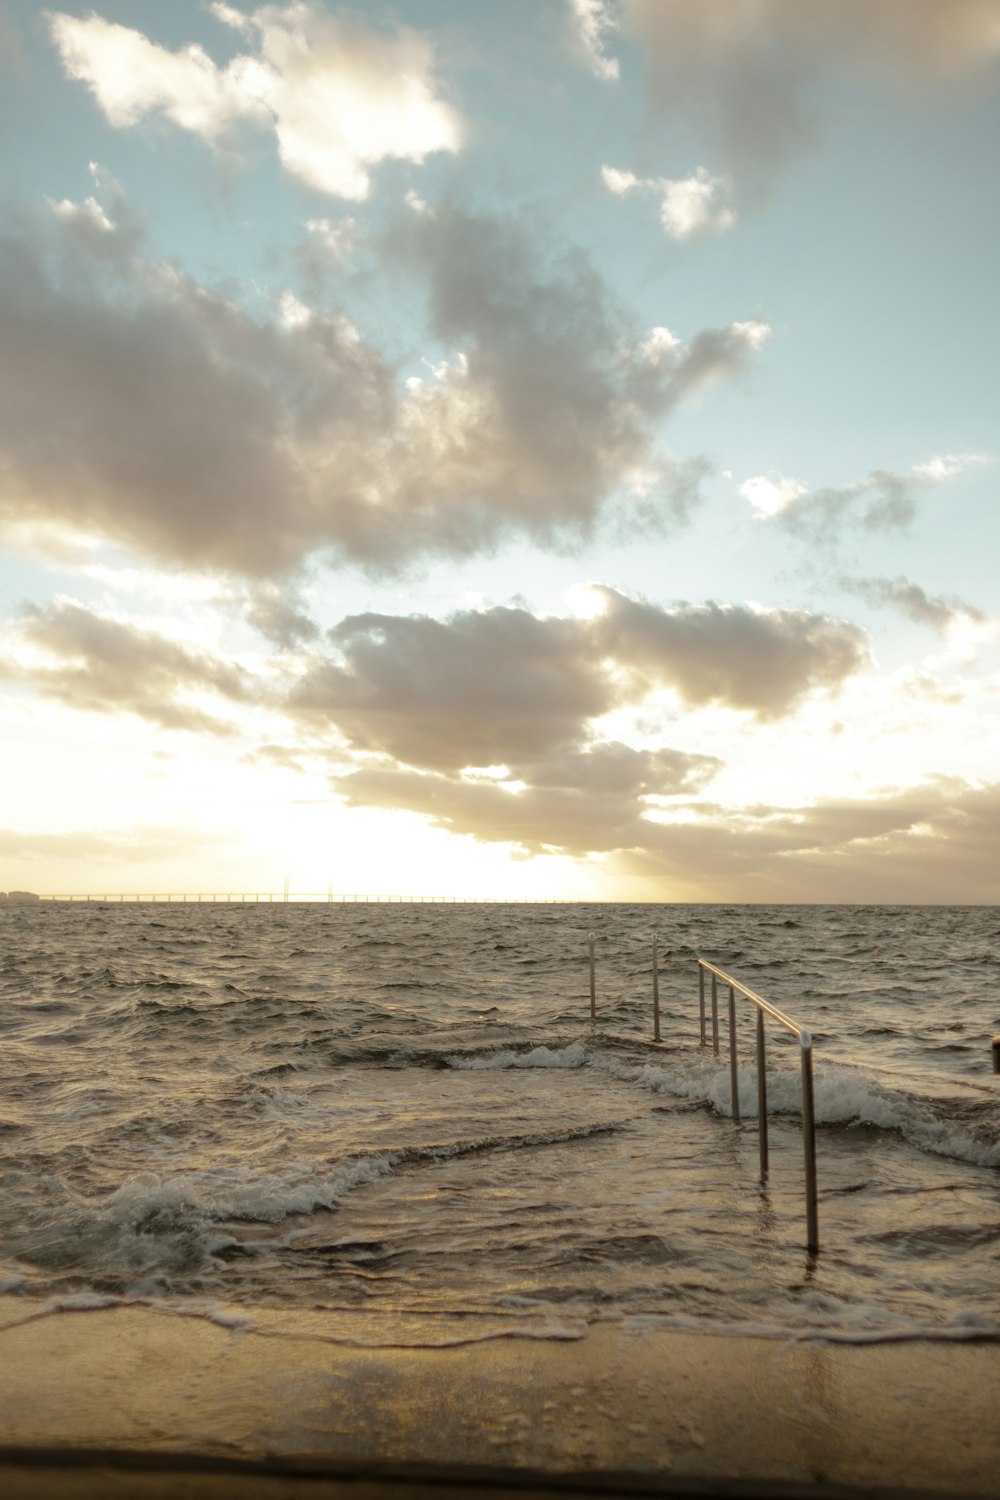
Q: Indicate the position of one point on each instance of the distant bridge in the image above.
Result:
(287, 897)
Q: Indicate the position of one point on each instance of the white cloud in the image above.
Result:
(229, 16)
(689, 206)
(89, 212)
(754, 333)
(339, 96)
(946, 465)
(661, 343)
(592, 21)
(619, 182)
(131, 76)
(293, 313)
(771, 494)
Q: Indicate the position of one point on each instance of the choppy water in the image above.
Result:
(404, 1109)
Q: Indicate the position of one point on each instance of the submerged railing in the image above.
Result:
(764, 1007)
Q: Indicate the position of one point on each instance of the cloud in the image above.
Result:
(495, 687)
(279, 615)
(592, 21)
(744, 71)
(884, 501)
(671, 371)
(323, 252)
(914, 602)
(946, 465)
(480, 688)
(689, 206)
(102, 665)
(590, 800)
(503, 687)
(339, 97)
(550, 403)
(895, 845)
(141, 406)
(760, 661)
(769, 494)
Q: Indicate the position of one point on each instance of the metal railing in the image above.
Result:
(764, 1007)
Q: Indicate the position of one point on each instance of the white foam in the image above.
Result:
(843, 1095)
(573, 1056)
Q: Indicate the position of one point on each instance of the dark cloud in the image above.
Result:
(280, 615)
(140, 405)
(896, 846)
(503, 687)
(107, 666)
(744, 71)
(884, 501)
(145, 408)
(590, 800)
(913, 601)
(514, 702)
(756, 660)
(487, 687)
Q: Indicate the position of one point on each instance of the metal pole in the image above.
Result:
(761, 1094)
(715, 1016)
(734, 1075)
(656, 993)
(701, 1001)
(809, 1143)
(593, 986)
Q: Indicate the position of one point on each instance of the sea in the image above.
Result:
(405, 1111)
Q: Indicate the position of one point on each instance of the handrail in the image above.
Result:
(764, 1007)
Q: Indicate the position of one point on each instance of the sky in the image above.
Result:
(545, 449)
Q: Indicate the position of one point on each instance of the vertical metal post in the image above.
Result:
(734, 1074)
(761, 1094)
(715, 1016)
(809, 1143)
(701, 1001)
(593, 986)
(656, 993)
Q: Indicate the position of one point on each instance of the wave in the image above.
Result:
(573, 1056)
(845, 1096)
(158, 1226)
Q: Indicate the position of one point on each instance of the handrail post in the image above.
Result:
(809, 1144)
(715, 1016)
(734, 1076)
(656, 993)
(761, 1095)
(593, 985)
(701, 1001)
